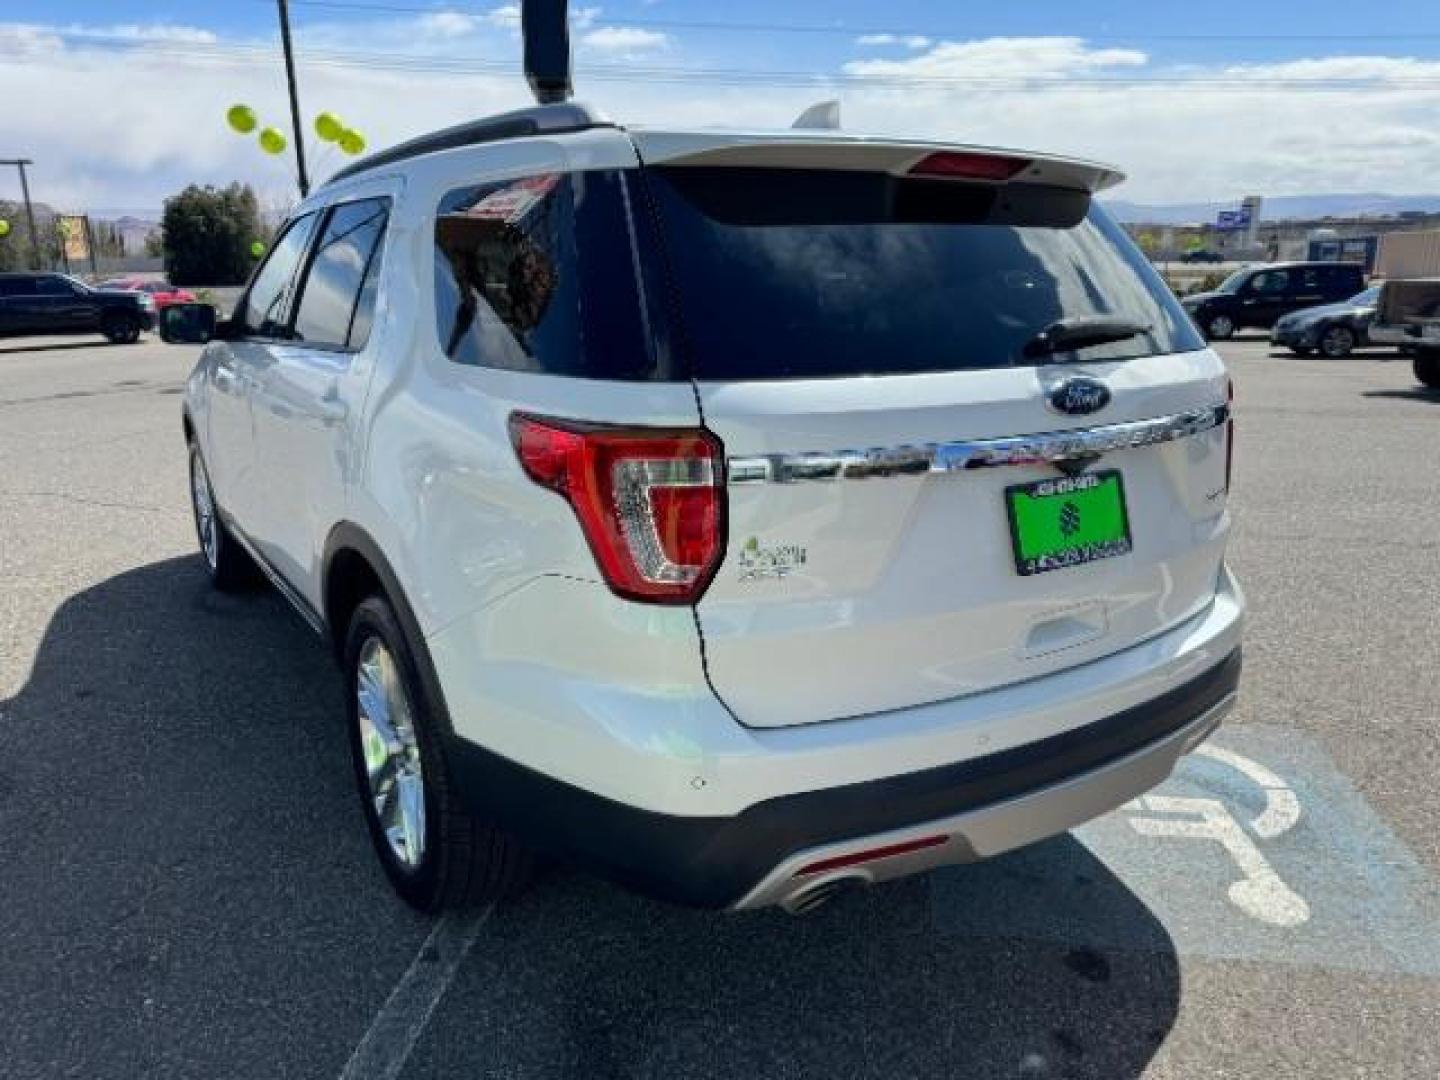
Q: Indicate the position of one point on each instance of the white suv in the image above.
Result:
(743, 516)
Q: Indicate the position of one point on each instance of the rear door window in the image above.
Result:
(781, 273)
(539, 274)
(17, 286)
(54, 286)
(342, 258)
(265, 311)
(1270, 282)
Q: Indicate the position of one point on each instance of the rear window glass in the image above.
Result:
(539, 274)
(807, 274)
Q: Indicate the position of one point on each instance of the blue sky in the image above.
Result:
(1204, 101)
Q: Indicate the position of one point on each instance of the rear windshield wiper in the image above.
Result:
(1066, 334)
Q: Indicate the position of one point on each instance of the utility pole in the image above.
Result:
(296, 130)
(20, 164)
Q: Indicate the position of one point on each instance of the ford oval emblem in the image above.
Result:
(1079, 397)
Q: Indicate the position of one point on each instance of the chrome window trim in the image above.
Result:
(1044, 448)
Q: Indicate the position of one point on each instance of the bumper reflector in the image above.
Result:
(856, 858)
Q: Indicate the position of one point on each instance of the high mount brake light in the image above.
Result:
(967, 166)
(649, 500)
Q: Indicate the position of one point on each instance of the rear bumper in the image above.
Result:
(1007, 823)
(1390, 334)
(1304, 337)
(982, 805)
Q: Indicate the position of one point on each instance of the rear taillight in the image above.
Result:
(970, 166)
(650, 501)
(1229, 431)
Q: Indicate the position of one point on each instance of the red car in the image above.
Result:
(162, 292)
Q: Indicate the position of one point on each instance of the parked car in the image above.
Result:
(59, 304)
(1202, 256)
(1258, 296)
(1334, 329)
(723, 511)
(161, 292)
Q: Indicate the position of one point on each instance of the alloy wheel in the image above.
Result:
(392, 755)
(204, 506)
(1337, 342)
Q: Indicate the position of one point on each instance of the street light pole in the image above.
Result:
(20, 164)
(295, 127)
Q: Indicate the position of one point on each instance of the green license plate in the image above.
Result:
(1068, 521)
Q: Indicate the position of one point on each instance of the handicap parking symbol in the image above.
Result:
(1256, 848)
(1260, 892)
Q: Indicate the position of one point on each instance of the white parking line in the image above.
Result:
(392, 1035)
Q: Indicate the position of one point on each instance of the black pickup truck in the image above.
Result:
(57, 304)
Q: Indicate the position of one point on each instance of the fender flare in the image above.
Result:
(347, 536)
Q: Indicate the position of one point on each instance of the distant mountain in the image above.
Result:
(1278, 208)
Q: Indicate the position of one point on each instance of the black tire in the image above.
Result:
(464, 861)
(120, 328)
(1219, 327)
(1302, 350)
(229, 566)
(1337, 341)
(1427, 369)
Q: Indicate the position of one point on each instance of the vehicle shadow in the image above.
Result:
(184, 856)
(52, 346)
(1416, 393)
(908, 979)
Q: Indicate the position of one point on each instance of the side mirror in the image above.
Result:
(188, 324)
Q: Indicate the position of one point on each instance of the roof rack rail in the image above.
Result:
(551, 119)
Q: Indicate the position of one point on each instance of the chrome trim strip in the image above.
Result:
(1044, 448)
(291, 594)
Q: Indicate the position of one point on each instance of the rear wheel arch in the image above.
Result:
(356, 568)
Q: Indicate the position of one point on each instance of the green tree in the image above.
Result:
(207, 234)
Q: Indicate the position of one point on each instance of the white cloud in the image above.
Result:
(508, 16)
(453, 22)
(910, 41)
(1028, 57)
(624, 40)
(1198, 133)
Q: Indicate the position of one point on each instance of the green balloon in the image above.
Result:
(351, 141)
(329, 127)
(4, 227)
(271, 141)
(241, 118)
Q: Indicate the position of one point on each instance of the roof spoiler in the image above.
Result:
(824, 150)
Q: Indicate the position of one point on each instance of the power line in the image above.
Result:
(753, 77)
(951, 33)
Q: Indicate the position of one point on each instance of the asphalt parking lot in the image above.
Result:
(187, 889)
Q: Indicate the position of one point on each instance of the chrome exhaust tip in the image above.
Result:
(809, 897)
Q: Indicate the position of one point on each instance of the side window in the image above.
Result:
(266, 309)
(1270, 282)
(1347, 280)
(54, 286)
(539, 274)
(365, 306)
(17, 286)
(342, 262)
